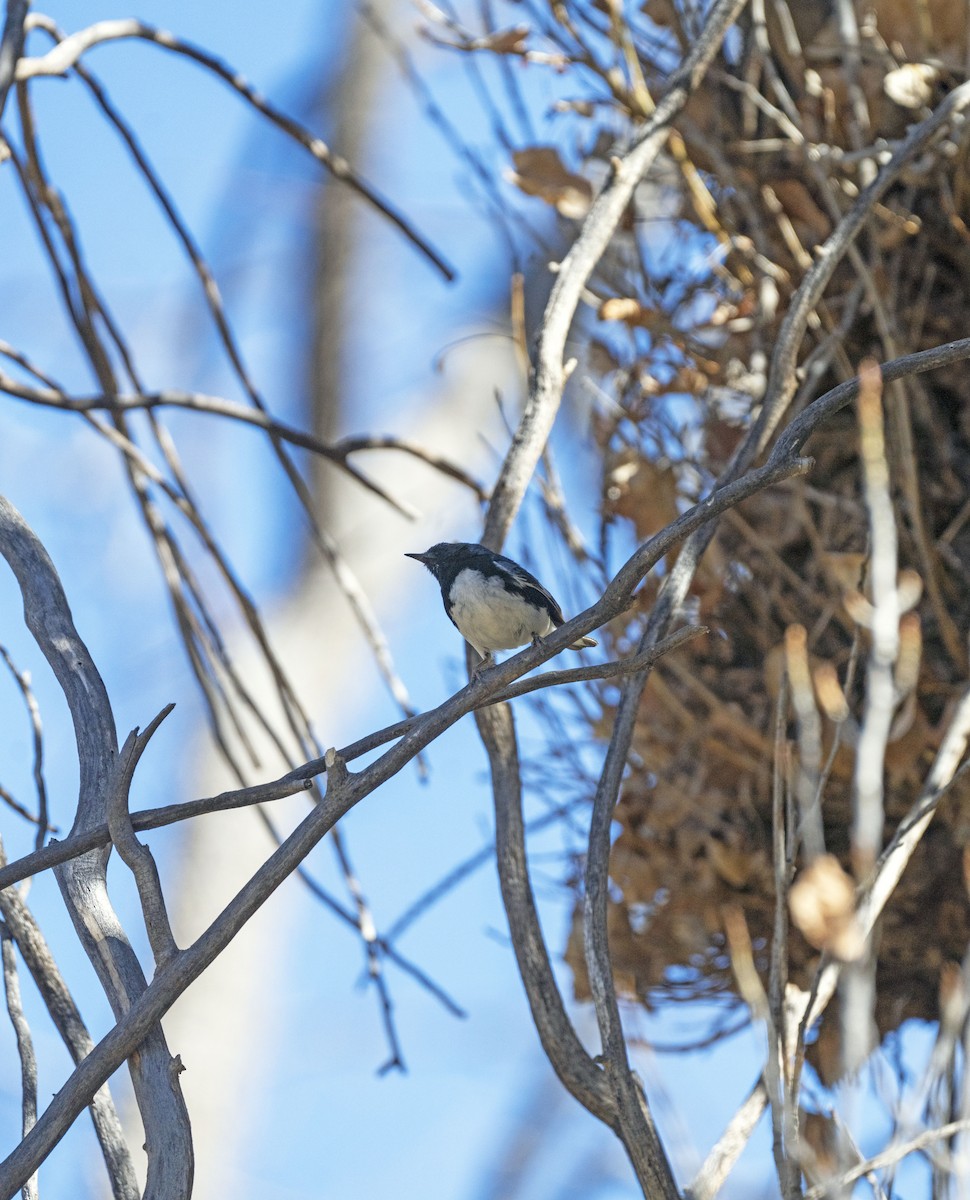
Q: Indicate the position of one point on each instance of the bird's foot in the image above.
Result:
(488, 660)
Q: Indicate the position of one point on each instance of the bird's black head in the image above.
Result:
(440, 556)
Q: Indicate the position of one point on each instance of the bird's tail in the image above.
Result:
(583, 643)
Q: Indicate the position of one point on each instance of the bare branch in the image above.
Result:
(50, 397)
(22, 679)
(136, 856)
(11, 46)
(301, 778)
(717, 1166)
(887, 1158)
(67, 53)
(25, 1045)
(82, 880)
(793, 438)
(67, 1020)
(559, 1040)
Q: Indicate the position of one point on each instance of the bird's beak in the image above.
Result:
(422, 558)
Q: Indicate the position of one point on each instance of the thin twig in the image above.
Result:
(25, 1045)
(887, 1158)
(301, 778)
(67, 53)
(722, 1157)
(49, 397)
(22, 679)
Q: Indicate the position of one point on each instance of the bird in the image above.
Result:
(494, 603)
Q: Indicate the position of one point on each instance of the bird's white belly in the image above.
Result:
(490, 618)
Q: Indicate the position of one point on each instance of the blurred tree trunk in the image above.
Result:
(314, 633)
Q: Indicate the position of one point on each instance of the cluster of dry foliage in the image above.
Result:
(758, 182)
(773, 155)
(758, 198)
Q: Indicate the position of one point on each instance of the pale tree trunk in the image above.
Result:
(318, 639)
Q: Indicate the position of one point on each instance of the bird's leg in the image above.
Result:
(487, 660)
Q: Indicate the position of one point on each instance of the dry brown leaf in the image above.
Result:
(642, 491)
(721, 437)
(661, 12)
(822, 1136)
(690, 379)
(505, 41)
(845, 570)
(626, 309)
(707, 586)
(733, 863)
(822, 905)
(953, 999)
(812, 224)
(600, 358)
(540, 172)
(828, 690)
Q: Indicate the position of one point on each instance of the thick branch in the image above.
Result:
(11, 46)
(301, 778)
(563, 1048)
(577, 267)
(82, 880)
(67, 1020)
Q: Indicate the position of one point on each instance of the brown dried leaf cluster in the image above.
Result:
(696, 809)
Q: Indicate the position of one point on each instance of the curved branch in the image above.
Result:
(67, 53)
(576, 268)
(51, 397)
(569, 1058)
(83, 880)
(793, 438)
(67, 1020)
(301, 778)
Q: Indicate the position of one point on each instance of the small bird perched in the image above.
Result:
(494, 603)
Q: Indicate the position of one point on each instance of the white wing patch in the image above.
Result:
(491, 618)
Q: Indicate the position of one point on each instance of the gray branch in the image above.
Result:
(69, 1024)
(82, 880)
(569, 1058)
(11, 46)
(138, 858)
(25, 1044)
(415, 734)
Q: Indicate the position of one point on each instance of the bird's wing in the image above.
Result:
(530, 588)
(446, 600)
